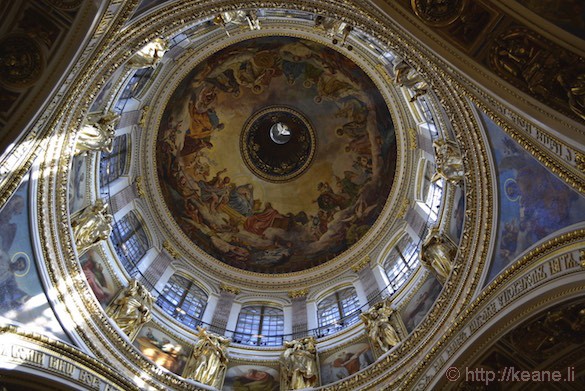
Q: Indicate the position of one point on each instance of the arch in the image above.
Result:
(130, 240)
(337, 310)
(183, 299)
(260, 324)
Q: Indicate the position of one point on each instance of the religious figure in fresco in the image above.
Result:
(91, 225)
(11, 296)
(94, 274)
(255, 380)
(209, 359)
(131, 309)
(13, 207)
(98, 134)
(299, 364)
(377, 323)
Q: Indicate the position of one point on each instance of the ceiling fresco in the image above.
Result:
(275, 154)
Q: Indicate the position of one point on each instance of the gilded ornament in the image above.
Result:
(143, 114)
(299, 293)
(239, 18)
(449, 161)
(97, 134)
(361, 264)
(230, 289)
(437, 254)
(150, 54)
(438, 13)
(377, 323)
(21, 61)
(91, 226)
(140, 188)
(209, 359)
(171, 250)
(298, 364)
(539, 67)
(132, 308)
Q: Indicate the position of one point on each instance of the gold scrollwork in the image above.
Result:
(438, 13)
(21, 61)
(230, 289)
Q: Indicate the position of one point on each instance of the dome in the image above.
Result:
(267, 204)
(297, 195)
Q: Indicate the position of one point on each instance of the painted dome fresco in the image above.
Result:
(275, 154)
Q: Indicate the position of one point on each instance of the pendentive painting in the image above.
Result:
(275, 155)
(533, 203)
(162, 349)
(22, 297)
(246, 377)
(346, 361)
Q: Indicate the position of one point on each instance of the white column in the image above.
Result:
(162, 281)
(361, 293)
(147, 259)
(118, 185)
(288, 315)
(380, 276)
(212, 300)
(123, 211)
(312, 322)
(233, 319)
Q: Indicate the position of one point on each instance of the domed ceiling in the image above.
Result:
(275, 154)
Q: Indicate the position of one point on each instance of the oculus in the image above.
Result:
(277, 144)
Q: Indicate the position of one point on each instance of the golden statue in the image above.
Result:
(575, 88)
(209, 360)
(449, 161)
(437, 254)
(131, 309)
(377, 323)
(98, 134)
(405, 76)
(150, 55)
(299, 363)
(334, 28)
(238, 18)
(91, 225)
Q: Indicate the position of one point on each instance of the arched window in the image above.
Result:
(134, 87)
(337, 311)
(113, 164)
(130, 240)
(182, 299)
(260, 325)
(400, 263)
(432, 193)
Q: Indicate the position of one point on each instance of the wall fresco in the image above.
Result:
(345, 362)
(533, 203)
(422, 301)
(98, 276)
(22, 298)
(251, 377)
(162, 349)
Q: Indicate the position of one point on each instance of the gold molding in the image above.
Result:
(299, 293)
(229, 289)
(361, 264)
(171, 250)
